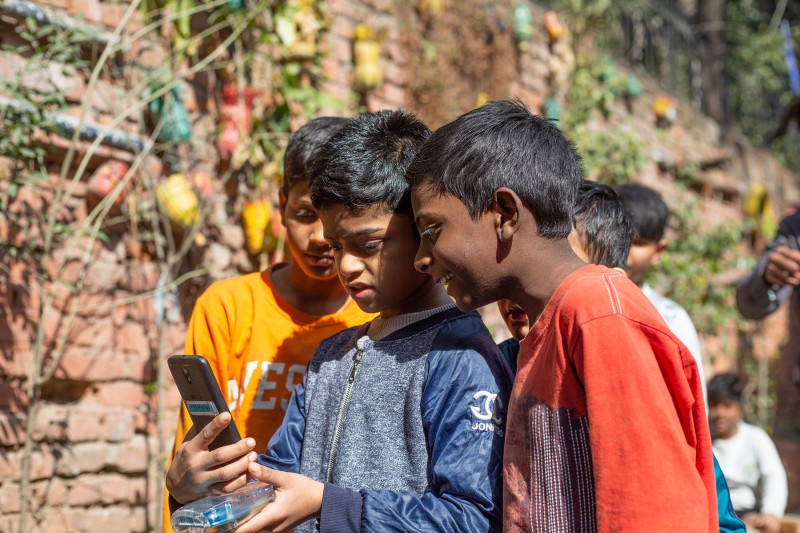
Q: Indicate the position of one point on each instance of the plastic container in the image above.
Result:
(222, 513)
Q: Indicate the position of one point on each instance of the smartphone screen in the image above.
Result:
(201, 395)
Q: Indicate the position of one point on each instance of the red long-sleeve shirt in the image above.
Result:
(606, 425)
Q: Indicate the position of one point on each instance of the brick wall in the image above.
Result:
(98, 452)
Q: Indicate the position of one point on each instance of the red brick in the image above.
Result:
(139, 367)
(88, 457)
(9, 524)
(52, 492)
(112, 13)
(10, 465)
(131, 338)
(42, 465)
(51, 423)
(116, 488)
(151, 56)
(394, 73)
(60, 4)
(96, 332)
(103, 276)
(17, 363)
(9, 498)
(330, 69)
(393, 94)
(88, 364)
(118, 426)
(119, 393)
(89, 10)
(12, 429)
(141, 276)
(137, 491)
(84, 425)
(13, 396)
(131, 457)
(87, 490)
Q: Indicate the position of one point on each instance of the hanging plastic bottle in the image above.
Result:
(665, 110)
(106, 178)
(255, 221)
(523, 25)
(555, 29)
(179, 201)
(367, 51)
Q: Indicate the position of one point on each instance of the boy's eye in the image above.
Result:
(336, 247)
(371, 246)
(306, 214)
(428, 233)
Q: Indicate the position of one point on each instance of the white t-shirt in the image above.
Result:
(681, 325)
(752, 466)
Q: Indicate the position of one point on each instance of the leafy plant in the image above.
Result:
(692, 268)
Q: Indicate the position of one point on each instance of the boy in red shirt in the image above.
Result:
(606, 425)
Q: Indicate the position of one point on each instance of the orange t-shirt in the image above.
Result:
(258, 346)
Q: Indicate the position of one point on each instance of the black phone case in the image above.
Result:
(201, 395)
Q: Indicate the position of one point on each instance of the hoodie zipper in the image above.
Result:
(338, 433)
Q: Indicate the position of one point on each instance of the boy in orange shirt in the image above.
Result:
(259, 330)
(606, 425)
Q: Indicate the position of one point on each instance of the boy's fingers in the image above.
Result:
(234, 469)
(232, 485)
(232, 452)
(211, 430)
(267, 475)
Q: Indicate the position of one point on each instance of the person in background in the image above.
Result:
(774, 281)
(258, 332)
(752, 467)
(650, 216)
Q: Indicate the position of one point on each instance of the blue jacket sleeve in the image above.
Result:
(463, 410)
(728, 521)
(283, 449)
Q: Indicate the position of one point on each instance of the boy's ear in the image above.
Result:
(282, 205)
(507, 210)
(662, 245)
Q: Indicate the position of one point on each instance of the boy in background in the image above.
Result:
(650, 216)
(259, 330)
(752, 466)
(398, 424)
(492, 194)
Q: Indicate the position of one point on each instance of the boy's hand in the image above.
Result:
(195, 471)
(783, 267)
(297, 498)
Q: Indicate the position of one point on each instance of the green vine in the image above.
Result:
(693, 267)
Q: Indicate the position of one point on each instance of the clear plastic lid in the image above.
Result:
(222, 513)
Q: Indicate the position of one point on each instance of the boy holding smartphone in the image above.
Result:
(258, 332)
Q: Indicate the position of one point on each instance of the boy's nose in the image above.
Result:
(422, 261)
(349, 266)
(317, 234)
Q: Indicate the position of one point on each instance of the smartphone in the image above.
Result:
(201, 395)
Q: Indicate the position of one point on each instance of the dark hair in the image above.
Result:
(647, 209)
(365, 163)
(304, 145)
(725, 387)
(502, 144)
(603, 225)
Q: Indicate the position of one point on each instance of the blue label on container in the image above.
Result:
(202, 408)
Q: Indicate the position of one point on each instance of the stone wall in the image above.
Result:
(105, 419)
